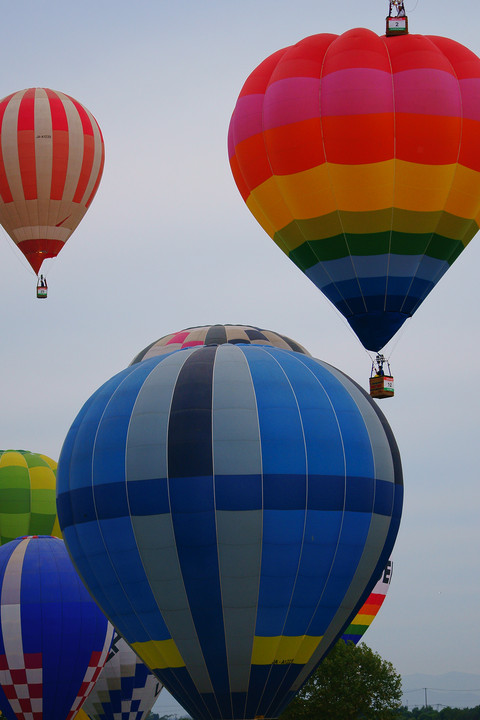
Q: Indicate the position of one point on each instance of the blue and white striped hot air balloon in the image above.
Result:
(230, 508)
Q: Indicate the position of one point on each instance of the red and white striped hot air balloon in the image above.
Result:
(51, 162)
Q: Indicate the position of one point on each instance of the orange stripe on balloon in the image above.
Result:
(26, 144)
(294, 148)
(238, 177)
(359, 139)
(252, 161)
(428, 139)
(470, 151)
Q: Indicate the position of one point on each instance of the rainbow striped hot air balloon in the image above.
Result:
(360, 156)
(368, 612)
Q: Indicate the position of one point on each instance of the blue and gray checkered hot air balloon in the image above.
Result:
(230, 508)
(54, 640)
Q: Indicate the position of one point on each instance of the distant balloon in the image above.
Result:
(27, 495)
(217, 335)
(51, 163)
(368, 612)
(359, 156)
(230, 509)
(53, 638)
(125, 688)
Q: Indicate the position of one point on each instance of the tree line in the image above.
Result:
(354, 683)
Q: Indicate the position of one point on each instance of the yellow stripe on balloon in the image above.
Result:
(13, 457)
(51, 463)
(267, 206)
(464, 198)
(364, 188)
(159, 654)
(309, 193)
(282, 650)
(422, 188)
(363, 619)
(368, 188)
(42, 478)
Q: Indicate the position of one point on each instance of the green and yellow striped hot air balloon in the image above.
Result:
(27, 495)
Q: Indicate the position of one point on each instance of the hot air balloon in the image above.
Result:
(368, 612)
(230, 508)
(125, 688)
(216, 335)
(27, 495)
(359, 155)
(51, 163)
(54, 640)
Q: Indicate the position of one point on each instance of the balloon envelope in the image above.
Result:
(217, 335)
(27, 495)
(368, 612)
(228, 507)
(125, 688)
(54, 640)
(359, 155)
(51, 163)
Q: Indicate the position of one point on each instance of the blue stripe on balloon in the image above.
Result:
(238, 492)
(282, 442)
(284, 492)
(190, 422)
(322, 439)
(232, 492)
(316, 387)
(80, 440)
(191, 491)
(280, 558)
(191, 495)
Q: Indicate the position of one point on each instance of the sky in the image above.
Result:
(168, 243)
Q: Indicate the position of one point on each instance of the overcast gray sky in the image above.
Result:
(168, 243)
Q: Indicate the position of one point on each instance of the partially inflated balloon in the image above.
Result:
(368, 612)
(359, 155)
(216, 335)
(51, 163)
(125, 689)
(54, 640)
(230, 508)
(27, 495)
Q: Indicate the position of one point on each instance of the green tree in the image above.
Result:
(352, 683)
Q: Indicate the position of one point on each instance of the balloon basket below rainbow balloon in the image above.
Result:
(381, 383)
(381, 386)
